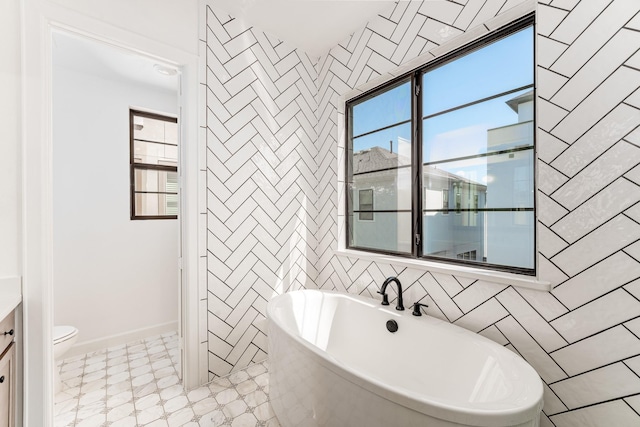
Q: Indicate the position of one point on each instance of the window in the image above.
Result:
(153, 165)
(459, 128)
(365, 198)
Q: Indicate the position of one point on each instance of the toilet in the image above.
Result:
(63, 339)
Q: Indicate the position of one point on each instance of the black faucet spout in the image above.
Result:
(400, 305)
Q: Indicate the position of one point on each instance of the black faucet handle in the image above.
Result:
(416, 308)
(385, 298)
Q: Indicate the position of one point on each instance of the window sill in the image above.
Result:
(457, 270)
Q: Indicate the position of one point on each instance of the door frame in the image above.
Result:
(39, 19)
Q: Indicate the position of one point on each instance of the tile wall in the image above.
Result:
(272, 199)
(582, 338)
(260, 166)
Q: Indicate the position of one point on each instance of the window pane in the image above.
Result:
(386, 232)
(500, 124)
(155, 180)
(390, 189)
(393, 146)
(149, 129)
(498, 181)
(155, 154)
(153, 204)
(501, 66)
(501, 238)
(388, 108)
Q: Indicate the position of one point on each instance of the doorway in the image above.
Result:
(116, 279)
(39, 23)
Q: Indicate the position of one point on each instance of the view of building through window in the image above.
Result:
(154, 166)
(476, 145)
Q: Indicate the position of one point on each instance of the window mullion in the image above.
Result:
(416, 109)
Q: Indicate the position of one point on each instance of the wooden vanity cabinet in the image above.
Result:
(7, 372)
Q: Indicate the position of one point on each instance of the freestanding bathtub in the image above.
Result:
(333, 363)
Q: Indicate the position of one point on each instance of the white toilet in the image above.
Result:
(63, 339)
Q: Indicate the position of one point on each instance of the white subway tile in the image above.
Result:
(215, 21)
(494, 335)
(607, 131)
(549, 83)
(530, 350)
(476, 294)
(548, 146)
(565, 4)
(437, 32)
(219, 347)
(449, 283)
(603, 384)
(596, 211)
(549, 115)
(379, 25)
(543, 302)
(549, 179)
(548, 51)
(597, 315)
(609, 238)
(490, 9)
(548, 210)
(634, 364)
(634, 61)
(606, 414)
(530, 320)
(634, 402)
(443, 11)
(509, 12)
(467, 14)
(598, 32)
(599, 279)
(440, 297)
(602, 349)
(578, 20)
(597, 69)
(552, 404)
(597, 175)
(548, 19)
(481, 317)
(407, 39)
(549, 243)
(218, 366)
(602, 100)
(549, 272)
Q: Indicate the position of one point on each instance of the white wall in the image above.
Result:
(10, 139)
(111, 275)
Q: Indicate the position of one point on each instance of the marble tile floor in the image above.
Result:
(137, 385)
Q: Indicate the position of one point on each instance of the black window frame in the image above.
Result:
(133, 165)
(415, 77)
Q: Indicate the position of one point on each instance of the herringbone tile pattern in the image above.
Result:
(273, 191)
(261, 202)
(582, 338)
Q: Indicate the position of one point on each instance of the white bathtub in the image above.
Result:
(333, 363)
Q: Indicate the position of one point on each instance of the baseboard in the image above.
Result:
(120, 339)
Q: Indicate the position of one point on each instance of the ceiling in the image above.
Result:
(109, 62)
(314, 26)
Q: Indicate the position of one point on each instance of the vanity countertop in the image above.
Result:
(10, 295)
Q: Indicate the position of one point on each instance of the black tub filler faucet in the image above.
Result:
(385, 297)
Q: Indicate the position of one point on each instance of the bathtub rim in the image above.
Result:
(406, 398)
